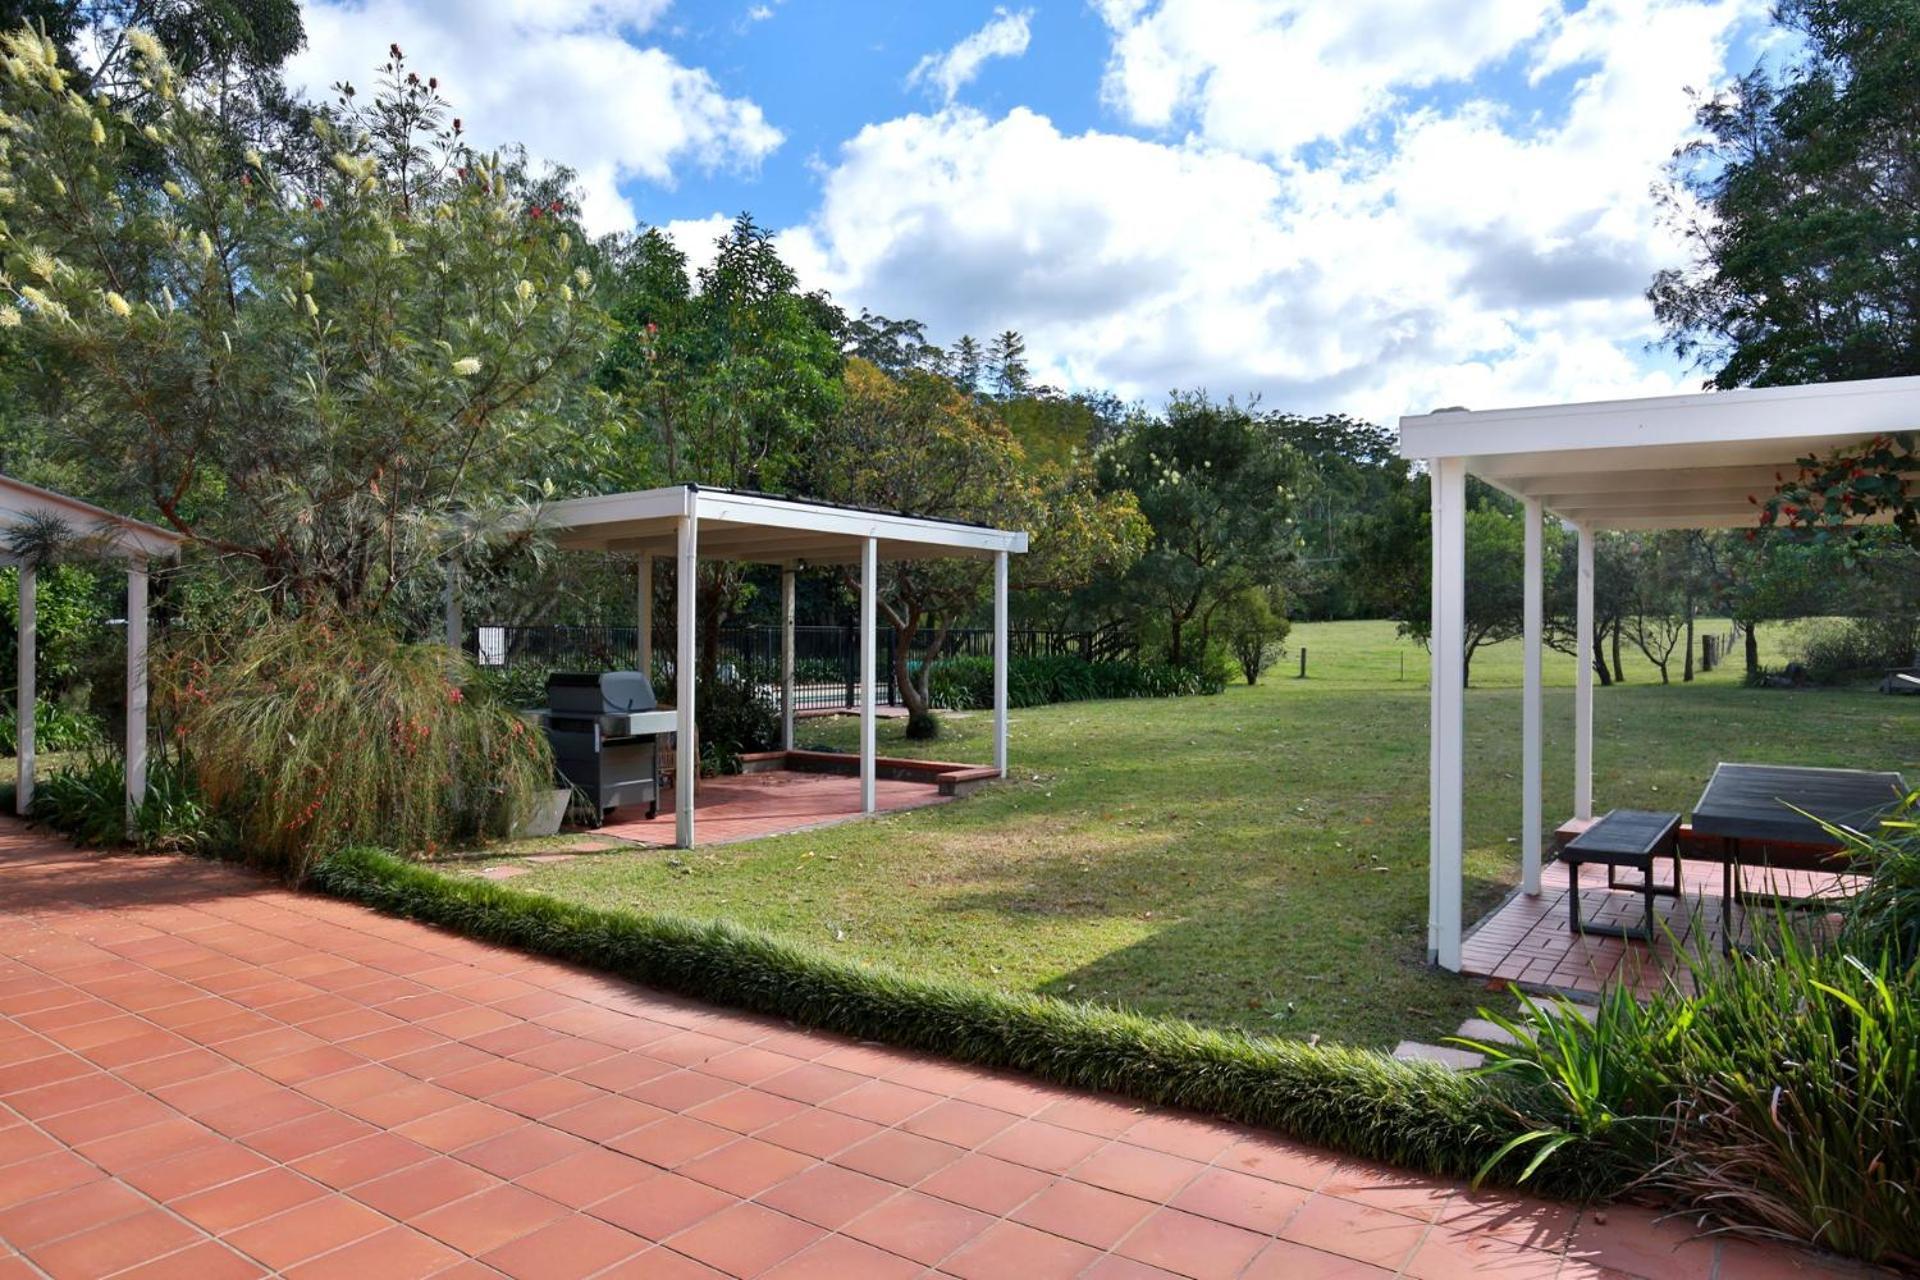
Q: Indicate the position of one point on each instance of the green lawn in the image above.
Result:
(1255, 859)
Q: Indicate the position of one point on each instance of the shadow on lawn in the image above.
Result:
(1228, 937)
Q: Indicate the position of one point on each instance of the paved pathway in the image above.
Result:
(205, 1076)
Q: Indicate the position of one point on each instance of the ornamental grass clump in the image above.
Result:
(313, 733)
(1777, 1098)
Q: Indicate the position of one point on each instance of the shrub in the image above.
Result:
(1419, 1115)
(1835, 650)
(1254, 627)
(55, 728)
(87, 800)
(312, 733)
(966, 684)
(1778, 1096)
(733, 718)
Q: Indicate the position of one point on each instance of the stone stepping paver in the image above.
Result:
(205, 1075)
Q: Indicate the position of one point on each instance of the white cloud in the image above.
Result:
(1467, 255)
(946, 73)
(564, 77)
(1269, 76)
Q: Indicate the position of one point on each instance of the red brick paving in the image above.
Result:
(751, 805)
(1526, 941)
(203, 1075)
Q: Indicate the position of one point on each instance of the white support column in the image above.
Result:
(686, 747)
(24, 698)
(1583, 680)
(869, 573)
(643, 615)
(786, 657)
(1535, 626)
(1000, 658)
(1446, 838)
(136, 687)
(452, 602)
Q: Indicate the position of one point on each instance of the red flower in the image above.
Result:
(535, 213)
(1790, 511)
(454, 694)
(1755, 501)
(318, 203)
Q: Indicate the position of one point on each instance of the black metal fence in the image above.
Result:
(826, 660)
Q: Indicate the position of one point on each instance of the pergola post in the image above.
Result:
(1000, 661)
(786, 656)
(23, 703)
(1447, 776)
(136, 687)
(869, 572)
(643, 616)
(686, 758)
(1534, 628)
(1583, 679)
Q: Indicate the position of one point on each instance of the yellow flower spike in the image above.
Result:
(41, 263)
(59, 187)
(467, 366)
(524, 291)
(9, 317)
(172, 188)
(118, 305)
(312, 307)
(99, 133)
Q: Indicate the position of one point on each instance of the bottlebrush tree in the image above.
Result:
(310, 369)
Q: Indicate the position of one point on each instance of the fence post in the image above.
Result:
(1303, 663)
(848, 662)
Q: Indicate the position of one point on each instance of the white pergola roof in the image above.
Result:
(136, 539)
(1670, 462)
(762, 528)
(1667, 462)
(136, 542)
(689, 523)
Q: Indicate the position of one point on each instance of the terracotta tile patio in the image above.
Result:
(203, 1075)
(749, 806)
(1526, 941)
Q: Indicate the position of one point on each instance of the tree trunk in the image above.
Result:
(1687, 675)
(1619, 676)
(911, 692)
(1600, 662)
(1753, 649)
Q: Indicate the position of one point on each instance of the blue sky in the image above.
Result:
(1375, 206)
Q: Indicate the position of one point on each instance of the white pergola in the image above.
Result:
(689, 523)
(1671, 462)
(133, 541)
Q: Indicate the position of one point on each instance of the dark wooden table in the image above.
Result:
(1751, 807)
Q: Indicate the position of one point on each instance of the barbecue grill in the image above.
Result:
(605, 729)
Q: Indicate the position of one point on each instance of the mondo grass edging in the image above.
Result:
(1362, 1102)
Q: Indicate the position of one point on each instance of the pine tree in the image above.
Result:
(967, 364)
(1008, 358)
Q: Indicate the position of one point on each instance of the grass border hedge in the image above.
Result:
(1362, 1102)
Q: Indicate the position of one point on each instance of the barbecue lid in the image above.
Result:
(600, 692)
